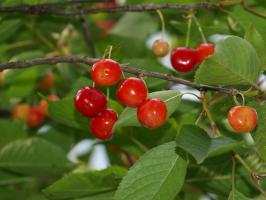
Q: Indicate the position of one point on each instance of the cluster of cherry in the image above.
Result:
(33, 115)
(132, 92)
(183, 59)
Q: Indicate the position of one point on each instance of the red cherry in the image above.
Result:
(183, 59)
(242, 119)
(132, 92)
(105, 24)
(35, 118)
(90, 101)
(152, 113)
(47, 81)
(204, 50)
(106, 72)
(101, 126)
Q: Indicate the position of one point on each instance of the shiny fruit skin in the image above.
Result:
(160, 47)
(183, 59)
(90, 101)
(152, 113)
(43, 105)
(106, 72)
(101, 126)
(36, 117)
(21, 112)
(243, 119)
(204, 50)
(132, 92)
(47, 81)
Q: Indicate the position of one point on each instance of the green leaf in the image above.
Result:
(235, 195)
(255, 38)
(64, 112)
(12, 194)
(128, 117)
(10, 131)
(9, 179)
(85, 184)
(259, 134)
(102, 196)
(34, 156)
(197, 142)
(58, 136)
(235, 62)
(9, 27)
(135, 26)
(159, 174)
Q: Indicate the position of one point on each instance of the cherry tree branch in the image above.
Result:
(75, 2)
(251, 10)
(44, 9)
(87, 34)
(131, 70)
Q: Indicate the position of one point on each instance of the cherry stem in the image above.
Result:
(200, 117)
(123, 75)
(173, 97)
(110, 51)
(199, 28)
(162, 21)
(189, 27)
(256, 178)
(139, 144)
(93, 84)
(243, 162)
(242, 96)
(215, 130)
(198, 97)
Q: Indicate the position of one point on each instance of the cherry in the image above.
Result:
(21, 112)
(242, 119)
(101, 126)
(90, 101)
(105, 24)
(106, 72)
(36, 117)
(160, 48)
(43, 105)
(132, 91)
(152, 113)
(204, 50)
(183, 59)
(47, 81)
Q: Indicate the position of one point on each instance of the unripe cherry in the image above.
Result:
(101, 126)
(183, 59)
(152, 113)
(21, 112)
(242, 119)
(43, 105)
(132, 91)
(160, 47)
(36, 117)
(90, 101)
(106, 72)
(204, 50)
(47, 81)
